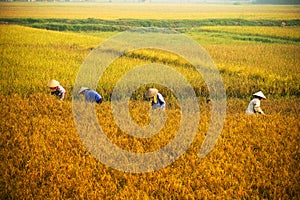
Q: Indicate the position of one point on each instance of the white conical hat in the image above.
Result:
(53, 83)
(260, 94)
(83, 89)
(151, 92)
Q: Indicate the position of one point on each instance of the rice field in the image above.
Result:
(80, 10)
(42, 155)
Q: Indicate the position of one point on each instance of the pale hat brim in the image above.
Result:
(53, 83)
(260, 94)
(151, 92)
(82, 89)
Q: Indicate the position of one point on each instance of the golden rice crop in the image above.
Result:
(32, 58)
(35, 59)
(43, 157)
(81, 10)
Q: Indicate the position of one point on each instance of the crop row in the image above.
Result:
(280, 32)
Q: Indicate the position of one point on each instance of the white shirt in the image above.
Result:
(160, 102)
(60, 92)
(254, 107)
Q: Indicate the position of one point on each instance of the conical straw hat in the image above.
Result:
(151, 92)
(53, 83)
(260, 94)
(82, 89)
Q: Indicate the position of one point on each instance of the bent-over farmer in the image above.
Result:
(156, 99)
(90, 95)
(254, 105)
(57, 89)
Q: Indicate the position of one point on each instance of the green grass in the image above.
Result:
(92, 24)
(226, 37)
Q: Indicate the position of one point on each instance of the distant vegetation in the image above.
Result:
(234, 2)
(92, 24)
(277, 1)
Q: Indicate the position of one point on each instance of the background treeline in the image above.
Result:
(235, 2)
(277, 1)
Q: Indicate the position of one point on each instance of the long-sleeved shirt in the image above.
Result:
(160, 102)
(93, 96)
(60, 92)
(254, 107)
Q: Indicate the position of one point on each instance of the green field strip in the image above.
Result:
(125, 24)
(249, 37)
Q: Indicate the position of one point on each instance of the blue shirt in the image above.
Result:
(160, 102)
(92, 96)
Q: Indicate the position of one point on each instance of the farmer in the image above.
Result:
(156, 99)
(254, 105)
(90, 95)
(57, 89)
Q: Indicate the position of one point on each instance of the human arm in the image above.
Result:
(62, 92)
(258, 110)
(63, 96)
